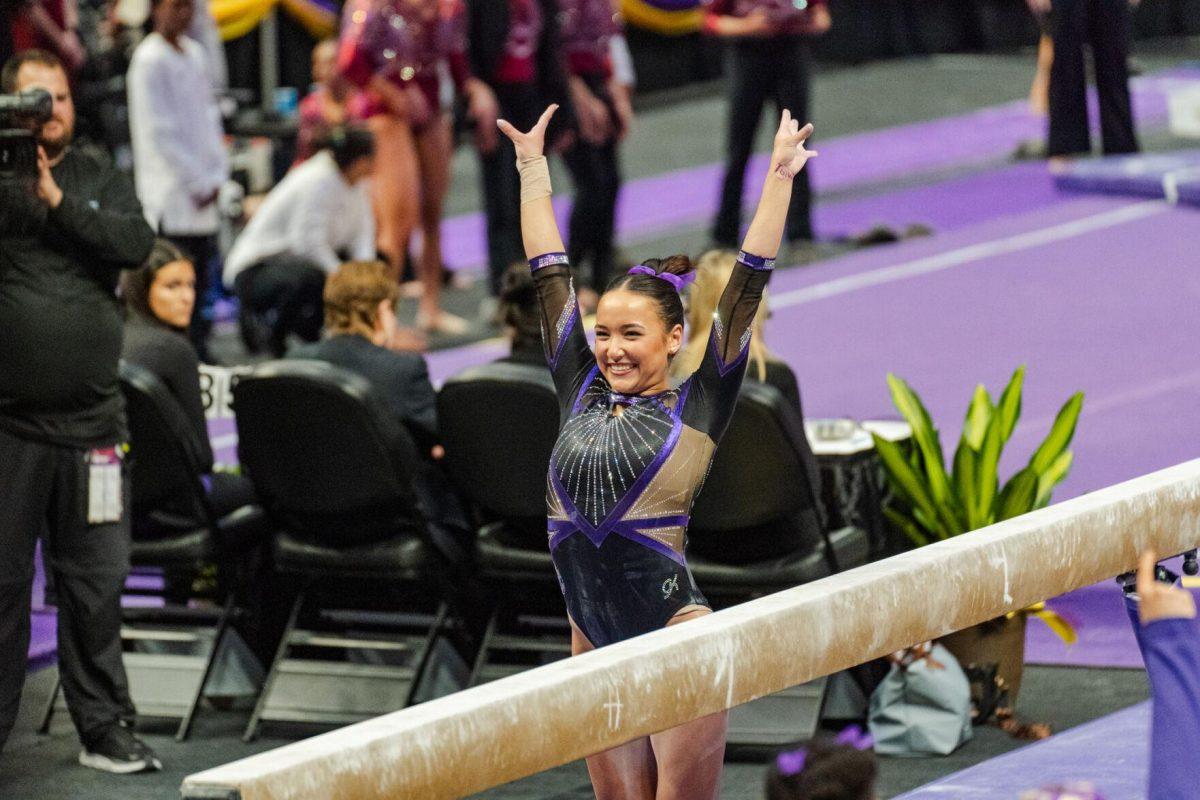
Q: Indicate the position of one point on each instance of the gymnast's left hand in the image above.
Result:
(789, 155)
(532, 144)
(1157, 600)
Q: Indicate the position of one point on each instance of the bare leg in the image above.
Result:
(1039, 91)
(394, 187)
(433, 147)
(690, 757)
(626, 772)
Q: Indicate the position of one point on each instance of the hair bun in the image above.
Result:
(675, 265)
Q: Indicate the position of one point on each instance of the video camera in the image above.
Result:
(21, 117)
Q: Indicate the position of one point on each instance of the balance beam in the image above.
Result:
(526, 723)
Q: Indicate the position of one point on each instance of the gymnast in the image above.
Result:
(632, 452)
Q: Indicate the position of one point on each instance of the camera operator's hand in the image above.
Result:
(1157, 600)
(48, 189)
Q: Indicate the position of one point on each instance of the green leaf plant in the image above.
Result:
(930, 504)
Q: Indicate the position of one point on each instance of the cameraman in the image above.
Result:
(62, 424)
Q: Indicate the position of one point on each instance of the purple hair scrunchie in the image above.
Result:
(678, 281)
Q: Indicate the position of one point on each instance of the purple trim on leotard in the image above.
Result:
(598, 533)
(759, 263)
(587, 382)
(724, 369)
(547, 260)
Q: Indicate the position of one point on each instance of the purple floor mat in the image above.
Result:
(1172, 176)
(1109, 752)
(1097, 614)
(845, 162)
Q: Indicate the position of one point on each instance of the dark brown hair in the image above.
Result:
(136, 283)
(8, 76)
(670, 305)
(519, 307)
(353, 294)
(831, 772)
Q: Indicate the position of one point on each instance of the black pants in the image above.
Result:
(44, 491)
(202, 250)
(767, 69)
(596, 174)
(285, 292)
(1103, 24)
(521, 105)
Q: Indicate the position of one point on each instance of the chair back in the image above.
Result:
(326, 457)
(499, 423)
(167, 493)
(762, 484)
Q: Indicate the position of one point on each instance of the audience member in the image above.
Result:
(1164, 619)
(50, 25)
(603, 116)
(1105, 26)
(159, 297)
(318, 214)
(843, 769)
(62, 424)
(514, 49)
(521, 317)
(393, 50)
(203, 30)
(8, 9)
(325, 106)
(713, 271)
(769, 60)
(360, 319)
(179, 154)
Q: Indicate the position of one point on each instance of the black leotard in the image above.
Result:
(620, 487)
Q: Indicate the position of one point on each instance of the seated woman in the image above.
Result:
(158, 303)
(713, 272)
(520, 316)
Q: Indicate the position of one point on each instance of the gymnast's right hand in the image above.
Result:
(532, 144)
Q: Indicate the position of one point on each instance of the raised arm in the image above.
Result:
(716, 382)
(567, 351)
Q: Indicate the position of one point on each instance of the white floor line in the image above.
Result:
(970, 254)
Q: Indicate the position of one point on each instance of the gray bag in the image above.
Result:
(923, 706)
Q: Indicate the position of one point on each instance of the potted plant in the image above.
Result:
(930, 504)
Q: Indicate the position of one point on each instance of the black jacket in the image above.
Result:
(401, 380)
(487, 30)
(60, 322)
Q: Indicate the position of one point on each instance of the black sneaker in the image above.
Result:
(119, 751)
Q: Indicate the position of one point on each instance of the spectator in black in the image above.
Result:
(769, 60)
(513, 46)
(7, 9)
(62, 425)
(360, 319)
(159, 297)
(521, 317)
(1104, 25)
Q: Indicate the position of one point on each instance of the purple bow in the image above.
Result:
(678, 281)
(792, 762)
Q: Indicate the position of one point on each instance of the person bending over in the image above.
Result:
(842, 769)
(632, 452)
(159, 297)
(318, 213)
(521, 317)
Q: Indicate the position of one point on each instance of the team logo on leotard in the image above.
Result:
(670, 586)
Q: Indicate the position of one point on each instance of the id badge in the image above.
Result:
(104, 485)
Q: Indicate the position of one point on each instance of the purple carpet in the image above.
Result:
(1109, 752)
(845, 163)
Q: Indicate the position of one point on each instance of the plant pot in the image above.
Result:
(999, 641)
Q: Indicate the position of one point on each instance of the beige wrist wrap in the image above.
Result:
(535, 178)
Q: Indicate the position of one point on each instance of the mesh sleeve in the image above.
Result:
(567, 352)
(715, 384)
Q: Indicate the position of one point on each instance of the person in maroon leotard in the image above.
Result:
(392, 49)
(632, 452)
